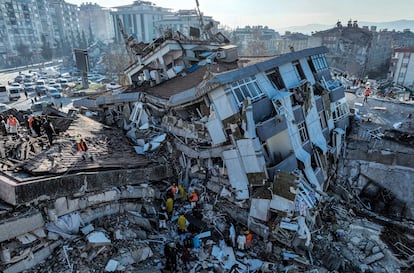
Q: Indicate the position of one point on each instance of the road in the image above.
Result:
(24, 103)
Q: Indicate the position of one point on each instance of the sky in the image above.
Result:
(279, 14)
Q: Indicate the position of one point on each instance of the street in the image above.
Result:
(24, 103)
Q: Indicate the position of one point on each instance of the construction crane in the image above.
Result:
(128, 40)
(199, 15)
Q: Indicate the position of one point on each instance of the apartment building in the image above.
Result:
(402, 69)
(28, 25)
(138, 19)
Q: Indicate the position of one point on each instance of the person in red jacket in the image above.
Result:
(367, 92)
(83, 149)
(193, 198)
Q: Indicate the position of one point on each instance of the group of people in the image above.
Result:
(244, 238)
(35, 124)
(178, 193)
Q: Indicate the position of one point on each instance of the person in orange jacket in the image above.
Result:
(12, 125)
(249, 239)
(367, 92)
(193, 198)
(83, 148)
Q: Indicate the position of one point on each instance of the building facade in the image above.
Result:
(96, 19)
(402, 69)
(138, 19)
(30, 26)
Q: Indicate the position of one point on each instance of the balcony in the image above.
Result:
(271, 127)
(288, 164)
(337, 93)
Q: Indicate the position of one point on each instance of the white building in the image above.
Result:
(138, 19)
(402, 71)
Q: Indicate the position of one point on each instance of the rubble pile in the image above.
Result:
(16, 149)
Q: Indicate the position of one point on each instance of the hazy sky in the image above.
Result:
(285, 13)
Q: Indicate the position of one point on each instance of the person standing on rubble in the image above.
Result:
(12, 125)
(49, 130)
(241, 241)
(185, 258)
(193, 198)
(174, 190)
(170, 252)
(83, 148)
(169, 205)
(249, 239)
(163, 217)
(367, 92)
(182, 224)
(181, 191)
(232, 235)
(31, 120)
(36, 125)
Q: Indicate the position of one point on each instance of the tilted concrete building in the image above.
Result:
(260, 133)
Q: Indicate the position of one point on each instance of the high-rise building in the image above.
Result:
(138, 19)
(96, 19)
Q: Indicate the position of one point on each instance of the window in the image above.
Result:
(303, 132)
(322, 119)
(298, 70)
(319, 62)
(246, 88)
(275, 78)
(341, 111)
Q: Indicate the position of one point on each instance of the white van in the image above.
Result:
(40, 87)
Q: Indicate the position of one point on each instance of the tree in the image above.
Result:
(115, 59)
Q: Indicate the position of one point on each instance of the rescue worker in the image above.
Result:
(182, 224)
(249, 239)
(163, 216)
(193, 198)
(367, 92)
(169, 205)
(49, 130)
(241, 241)
(232, 235)
(181, 191)
(31, 121)
(174, 190)
(185, 258)
(12, 125)
(83, 149)
(36, 125)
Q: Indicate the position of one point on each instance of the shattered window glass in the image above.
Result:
(245, 88)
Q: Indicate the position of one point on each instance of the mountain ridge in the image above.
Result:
(398, 25)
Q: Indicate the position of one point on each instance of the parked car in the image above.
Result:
(29, 78)
(53, 93)
(40, 87)
(64, 82)
(57, 86)
(28, 87)
(18, 78)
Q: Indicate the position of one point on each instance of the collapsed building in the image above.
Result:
(260, 139)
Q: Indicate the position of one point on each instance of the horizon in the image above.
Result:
(235, 13)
